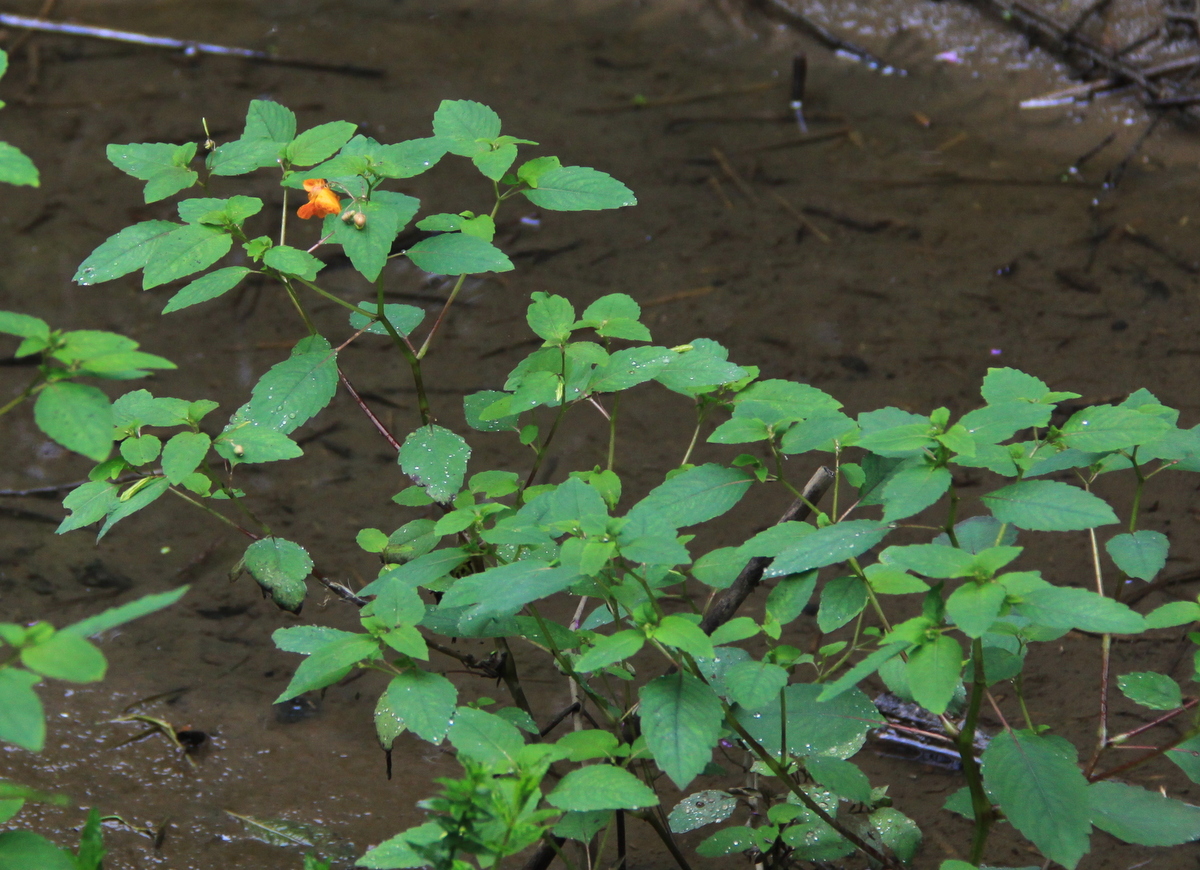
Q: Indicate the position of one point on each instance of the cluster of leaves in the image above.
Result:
(489, 547)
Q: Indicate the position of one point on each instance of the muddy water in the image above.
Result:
(927, 238)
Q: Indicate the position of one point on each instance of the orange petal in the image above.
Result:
(321, 200)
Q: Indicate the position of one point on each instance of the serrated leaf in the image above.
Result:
(184, 251)
(1042, 793)
(16, 168)
(754, 684)
(125, 252)
(1140, 554)
(369, 246)
(601, 787)
(465, 127)
(837, 727)
(138, 496)
(486, 738)
(609, 650)
(270, 121)
(503, 590)
(329, 664)
(280, 567)
(910, 490)
(1137, 815)
(975, 606)
(317, 144)
(702, 808)
(403, 318)
(1102, 428)
(307, 639)
(161, 165)
(458, 254)
(294, 391)
(551, 317)
(77, 416)
(629, 367)
(1068, 607)
(934, 672)
(423, 701)
(88, 503)
(681, 720)
(842, 778)
(140, 450)
(1150, 689)
(400, 851)
(1048, 506)
(579, 188)
(695, 496)
(244, 441)
(292, 261)
(207, 287)
(436, 459)
(842, 599)
(828, 546)
(183, 455)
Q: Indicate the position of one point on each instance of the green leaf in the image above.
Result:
(504, 590)
(65, 655)
(827, 546)
(295, 390)
(127, 251)
(369, 246)
(975, 606)
(912, 489)
(701, 808)
(614, 316)
(280, 567)
(842, 599)
(898, 832)
(132, 500)
(1010, 385)
(319, 143)
(862, 670)
(754, 684)
(24, 325)
(934, 672)
(88, 503)
(1068, 607)
(307, 639)
(458, 254)
(1140, 554)
(114, 616)
(727, 841)
(1041, 792)
(21, 718)
(683, 634)
(424, 702)
(16, 168)
(1102, 428)
(183, 455)
(842, 778)
(140, 450)
(579, 188)
(436, 459)
(161, 165)
(601, 787)
(700, 368)
(776, 402)
(837, 727)
(207, 287)
(269, 121)
(1137, 815)
(399, 852)
(609, 650)
(91, 850)
(465, 127)
(244, 441)
(1150, 689)
(738, 628)
(1048, 506)
(25, 850)
(408, 158)
(694, 496)
(790, 596)
(231, 212)
(77, 416)
(940, 561)
(1173, 613)
(292, 261)
(999, 422)
(628, 368)
(486, 738)
(551, 317)
(184, 251)
(329, 664)
(681, 720)
(403, 318)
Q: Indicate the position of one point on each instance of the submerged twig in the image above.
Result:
(189, 47)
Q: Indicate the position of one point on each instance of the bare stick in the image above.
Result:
(731, 599)
(783, 10)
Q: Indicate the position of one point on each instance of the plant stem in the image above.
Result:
(249, 534)
(612, 431)
(541, 451)
(668, 841)
(441, 316)
(985, 815)
(291, 292)
(1105, 665)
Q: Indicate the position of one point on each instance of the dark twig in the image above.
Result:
(732, 598)
(783, 11)
(375, 421)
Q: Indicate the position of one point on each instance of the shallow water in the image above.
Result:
(925, 253)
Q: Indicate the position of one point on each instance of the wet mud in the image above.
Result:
(924, 230)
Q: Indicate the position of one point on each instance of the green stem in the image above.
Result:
(33, 388)
(541, 451)
(291, 292)
(410, 356)
(612, 431)
(210, 511)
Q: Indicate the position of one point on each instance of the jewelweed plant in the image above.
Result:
(489, 553)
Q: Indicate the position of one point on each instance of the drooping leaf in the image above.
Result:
(1140, 554)
(423, 701)
(318, 143)
(681, 719)
(16, 167)
(280, 567)
(912, 489)
(601, 787)
(183, 454)
(329, 664)
(842, 599)
(828, 546)
(486, 738)
(207, 287)
(368, 246)
(114, 616)
(1036, 783)
(436, 459)
(403, 318)
(65, 655)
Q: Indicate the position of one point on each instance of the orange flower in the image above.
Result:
(321, 200)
